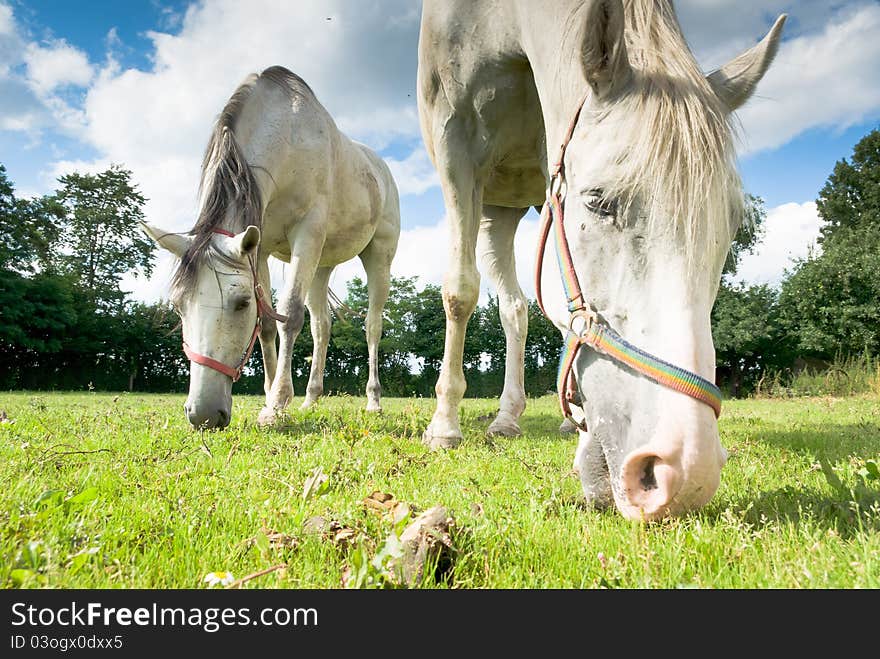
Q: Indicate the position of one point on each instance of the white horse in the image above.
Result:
(651, 201)
(278, 179)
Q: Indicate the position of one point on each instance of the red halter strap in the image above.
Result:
(263, 307)
(566, 385)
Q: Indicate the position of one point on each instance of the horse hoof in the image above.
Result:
(568, 428)
(267, 417)
(307, 404)
(440, 442)
(504, 429)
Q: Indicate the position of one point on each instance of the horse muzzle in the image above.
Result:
(660, 480)
(203, 417)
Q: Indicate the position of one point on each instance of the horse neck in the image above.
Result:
(556, 64)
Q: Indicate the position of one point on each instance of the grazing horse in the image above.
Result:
(600, 107)
(279, 179)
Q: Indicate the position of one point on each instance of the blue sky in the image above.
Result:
(84, 84)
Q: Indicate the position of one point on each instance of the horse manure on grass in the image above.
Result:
(426, 543)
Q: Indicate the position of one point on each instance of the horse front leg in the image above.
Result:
(268, 333)
(495, 246)
(319, 317)
(306, 243)
(592, 468)
(461, 287)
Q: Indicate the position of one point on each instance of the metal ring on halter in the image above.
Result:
(587, 316)
(558, 181)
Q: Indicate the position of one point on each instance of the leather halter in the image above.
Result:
(263, 307)
(585, 328)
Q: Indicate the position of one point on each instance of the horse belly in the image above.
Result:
(345, 240)
(515, 185)
(355, 207)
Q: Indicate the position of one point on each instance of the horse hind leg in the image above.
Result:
(495, 246)
(377, 262)
(319, 318)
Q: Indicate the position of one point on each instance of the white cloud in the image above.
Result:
(157, 122)
(414, 174)
(154, 288)
(718, 30)
(824, 76)
(34, 76)
(20, 111)
(790, 233)
(63, 167)
(825, 80)
(56, 65)
(7, 24)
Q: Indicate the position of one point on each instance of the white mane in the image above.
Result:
(680, 158)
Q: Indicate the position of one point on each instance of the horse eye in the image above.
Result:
(242, 304)
(597, 203)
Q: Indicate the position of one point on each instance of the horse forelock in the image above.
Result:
(679, 158)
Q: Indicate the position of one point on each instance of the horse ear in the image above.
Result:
(606, 65)
(736, 81)
(175, 243)
(247, 241)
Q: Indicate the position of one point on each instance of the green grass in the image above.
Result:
(107, 491)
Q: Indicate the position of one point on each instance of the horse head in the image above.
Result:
(652, 200)
(217, 298)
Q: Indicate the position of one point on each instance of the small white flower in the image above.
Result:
(219, 578)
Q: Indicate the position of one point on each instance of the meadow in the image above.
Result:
(105, 490)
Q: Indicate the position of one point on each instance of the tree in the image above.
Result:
(747, 334)
(28, 229)
(543, 348)
(428, 330)
(101, 234)
(748, 234)
(145, 349)
(850, 199)
(744, 318)
(38, 316)
(830, 303)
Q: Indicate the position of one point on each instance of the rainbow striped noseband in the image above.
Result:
(585, 328)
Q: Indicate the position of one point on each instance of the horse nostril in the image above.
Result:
(648, 480)
(222, 418)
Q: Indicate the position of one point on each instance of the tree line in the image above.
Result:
(65, 322)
